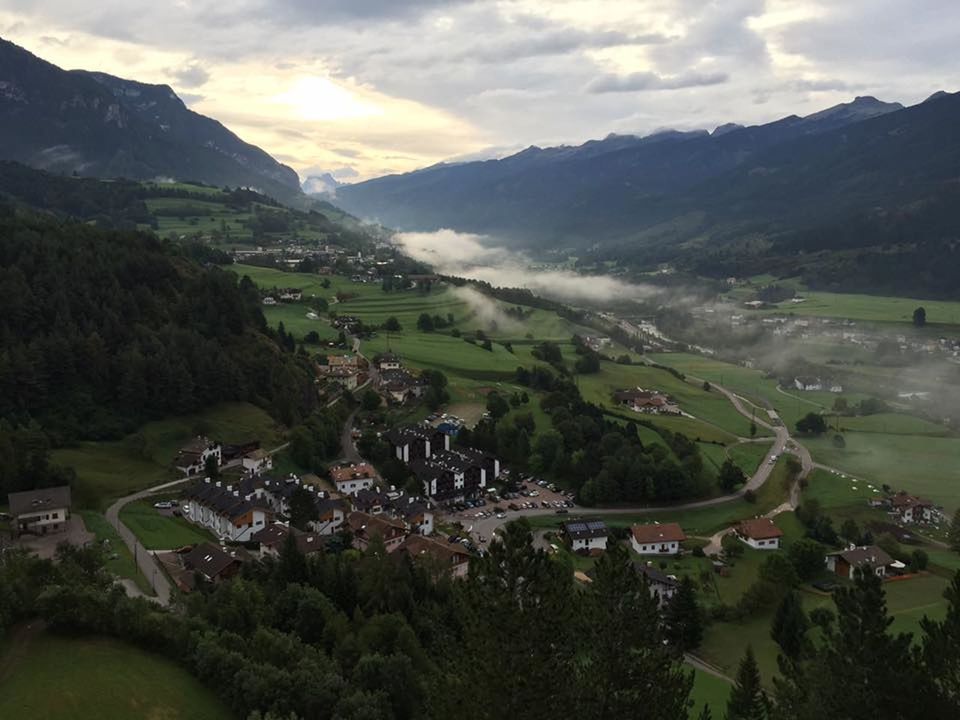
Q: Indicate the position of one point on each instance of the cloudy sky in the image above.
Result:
(362, 88)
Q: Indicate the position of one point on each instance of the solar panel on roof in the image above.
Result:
(596, 525)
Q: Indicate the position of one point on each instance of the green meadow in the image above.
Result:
(109, 470)
(51, 677)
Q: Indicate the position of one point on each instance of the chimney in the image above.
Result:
(236, 493)
(207, 480)
(219, 484)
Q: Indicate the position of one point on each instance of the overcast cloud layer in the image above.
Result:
(368, 87)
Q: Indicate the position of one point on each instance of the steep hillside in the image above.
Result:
(99, 125)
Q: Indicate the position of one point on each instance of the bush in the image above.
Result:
(698, 552)
(750, 496)
(919, 560)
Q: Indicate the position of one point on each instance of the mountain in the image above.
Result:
(607, 189)
(325, 184)
(99, 125)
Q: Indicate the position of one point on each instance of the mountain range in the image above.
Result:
(94, 124)
(733, 196)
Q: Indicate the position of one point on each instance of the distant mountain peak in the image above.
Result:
(937, 95)
(860, 108)
(323, 184)
(725, 128)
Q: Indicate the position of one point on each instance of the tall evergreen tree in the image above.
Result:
(790, 626)
(683, 618)
(748, 701)
(625, 666)
(941, 647)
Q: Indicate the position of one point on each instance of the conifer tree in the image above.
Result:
(790, 625)
(748, 701)
(683, 618)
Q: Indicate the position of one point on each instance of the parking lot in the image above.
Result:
(480, 518)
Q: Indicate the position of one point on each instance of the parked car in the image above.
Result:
(562, 511)
(163, 505)
(512, 506)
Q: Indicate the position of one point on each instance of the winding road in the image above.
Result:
(145, 560)
(782, 443)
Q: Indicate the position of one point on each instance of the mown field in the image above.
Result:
(160, 532)
(108, 470)
(49, 677)
(869, 308)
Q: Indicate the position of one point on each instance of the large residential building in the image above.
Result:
(232, 512)
(456, 474)
(657, 539)
(869, 557)
(759, 533)
(416, 442)
(40, 511)
(400, 385)
(590, 535)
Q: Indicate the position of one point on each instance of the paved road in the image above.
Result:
(782, 442)
(348, 448)
(145, 560)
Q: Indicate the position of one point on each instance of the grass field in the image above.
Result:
(928, 466)
(50, 677)
(123, 564)
(108, 470)
(709, 690)
(870, 308)
(710, 407)
(160, 532)
(749, 455)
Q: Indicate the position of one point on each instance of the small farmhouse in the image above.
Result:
(192, 458)
(657, 539)
(662, 586)
(759, 533)
(912, 509)
(40, 511)
(212, 563)
(446, 556)
(591, 535)
(869, 557)
(257, 461)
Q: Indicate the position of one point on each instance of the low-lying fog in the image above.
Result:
(479, 257)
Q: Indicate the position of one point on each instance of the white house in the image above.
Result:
(808, 384)
(192, 458)
(590, 535)
(657, 539)
(354, 477)
(40, 511)
(759, 533)
(257, 461)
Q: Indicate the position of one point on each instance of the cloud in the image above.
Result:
(191, 76)
(644, 81)
(478, 257)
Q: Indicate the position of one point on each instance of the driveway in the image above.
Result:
(46, 545)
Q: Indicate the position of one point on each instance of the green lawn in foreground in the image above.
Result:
(49, 677)
(160, 532)
(108, 470)
(122, 565)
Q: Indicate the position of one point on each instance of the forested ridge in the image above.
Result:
(103, 330)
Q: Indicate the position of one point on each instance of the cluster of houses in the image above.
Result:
(192, 459)
(253, 510)
(395, 382)
(446, 474)
(647, 401)
(909, 509)
(348, 371)
(291, 254)
(807, 383)
(284, 295)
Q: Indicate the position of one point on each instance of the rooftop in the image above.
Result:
(37, 500)
(666, 532)
(759, 529)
